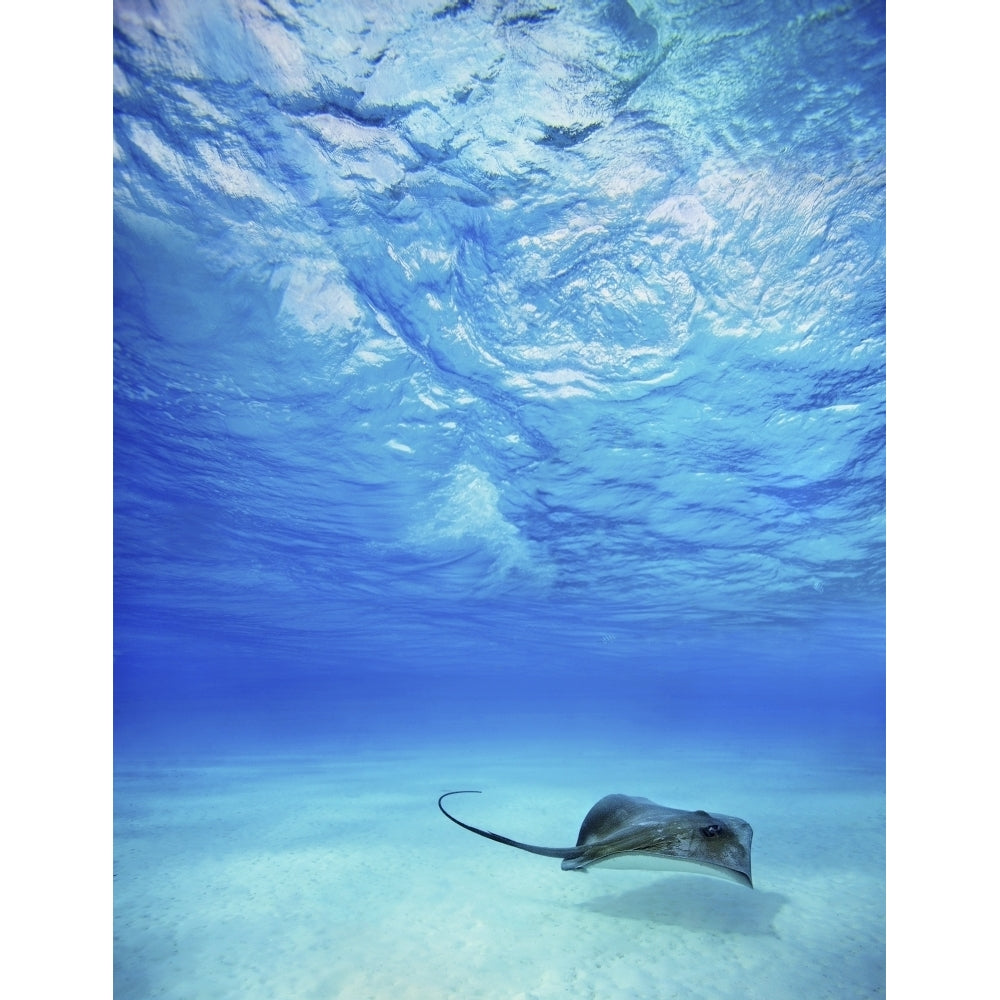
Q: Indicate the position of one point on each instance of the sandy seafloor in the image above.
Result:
(334, 875)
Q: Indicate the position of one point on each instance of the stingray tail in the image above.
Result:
(548, 852)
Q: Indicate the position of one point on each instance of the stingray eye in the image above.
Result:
(711, 831)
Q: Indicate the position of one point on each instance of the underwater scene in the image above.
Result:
(499, 410)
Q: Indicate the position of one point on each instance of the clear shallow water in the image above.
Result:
(489, 373)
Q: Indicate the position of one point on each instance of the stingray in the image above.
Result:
(624, 831)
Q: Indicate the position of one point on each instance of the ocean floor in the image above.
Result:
(334, 875)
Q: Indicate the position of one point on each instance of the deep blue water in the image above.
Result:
(509, 368)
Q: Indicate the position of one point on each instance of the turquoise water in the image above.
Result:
(500, 386)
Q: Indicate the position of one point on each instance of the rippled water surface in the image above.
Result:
(492, 338)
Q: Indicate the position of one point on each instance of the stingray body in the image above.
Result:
(624, 831)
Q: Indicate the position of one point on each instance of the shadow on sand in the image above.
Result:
(695, 904)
